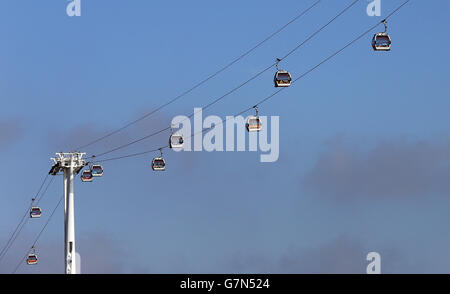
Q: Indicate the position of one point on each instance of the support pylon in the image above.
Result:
(69, 164)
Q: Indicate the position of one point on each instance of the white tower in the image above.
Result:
(70, 164)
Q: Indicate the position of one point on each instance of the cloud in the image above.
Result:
(245, 263)
(102, 254)
(66, 140)
(10, 131)
(99, 254)
(393, 168)
(79, 135)
(341, 255)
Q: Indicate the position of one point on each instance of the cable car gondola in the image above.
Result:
(382, 41)
(158, 163)
(254, 122)
(32, 257)
(35, 212)
(97, 170)
(176, 141)
(86, 176)
(282, 78)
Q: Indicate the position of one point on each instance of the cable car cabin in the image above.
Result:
(253, 124)
(97, 170)
(158, 164)
(282, 78)
(35, 212)
(86, 176)
(176, 141)
(32, 259)
(381, 42)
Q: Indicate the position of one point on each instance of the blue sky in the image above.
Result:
(364, 139)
